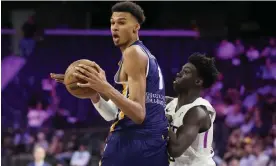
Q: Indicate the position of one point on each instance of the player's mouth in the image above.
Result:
(177, 79)
(115, 37)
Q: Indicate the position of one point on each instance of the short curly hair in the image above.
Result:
(131, 8)
(205, 67)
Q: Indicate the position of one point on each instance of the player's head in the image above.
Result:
(39, 153)
(200, 72)
(126, 19)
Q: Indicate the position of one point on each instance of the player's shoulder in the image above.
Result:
(196, 115)
(171, 105)
(205, 103)
(133, 51)
(135, 55)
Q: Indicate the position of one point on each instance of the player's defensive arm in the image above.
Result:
(193, 122)
(135, 63)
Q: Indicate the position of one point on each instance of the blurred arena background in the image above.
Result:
(42, 37)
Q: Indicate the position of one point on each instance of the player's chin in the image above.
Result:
(175, 85)
(117, 44)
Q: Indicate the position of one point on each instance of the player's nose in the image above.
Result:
(114, 28)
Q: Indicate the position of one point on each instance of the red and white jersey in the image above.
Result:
(201, 151)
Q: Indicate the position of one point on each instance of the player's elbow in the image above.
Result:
(174, 152)
(176, 149)
(140, 118)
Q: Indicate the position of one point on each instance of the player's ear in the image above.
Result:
(199, 82)
(136, 28)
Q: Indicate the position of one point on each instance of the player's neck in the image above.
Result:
(123, 48)
(187, 97)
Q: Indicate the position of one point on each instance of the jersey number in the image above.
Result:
(161, 81)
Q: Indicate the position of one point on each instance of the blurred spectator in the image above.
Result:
(234, 117)
(39, 156)
(7, 146)
(68, 150)
(252, 53)
(239, 53)
(56, 146)
(41, 141)
(270, 53)
(261, 157)
(217, 86)
(29, 30)
(226, 50)
(248, 124)
(49, 88)
(272, 160)
(80, 157)
(36, 116)
(270, 50)
(234, 162)
(248, 158)
(30, 143)
(239, 47)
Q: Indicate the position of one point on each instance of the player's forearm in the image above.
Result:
(176, 147)
(132, 109)
(106, 109)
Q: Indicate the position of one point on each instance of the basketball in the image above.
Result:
(70, 81)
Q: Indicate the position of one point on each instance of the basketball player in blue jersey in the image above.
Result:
(138, 134)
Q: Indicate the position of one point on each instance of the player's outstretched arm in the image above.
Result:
(103, 105)
(135, 63)
(195, 121)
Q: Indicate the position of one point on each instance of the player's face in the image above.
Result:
(123, 26)
(39, 154)
(185, 79)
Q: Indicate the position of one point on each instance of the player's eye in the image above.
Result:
(186, 72)
(121, 23)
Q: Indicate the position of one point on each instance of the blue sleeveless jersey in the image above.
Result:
(155, 121)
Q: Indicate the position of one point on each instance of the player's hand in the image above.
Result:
(95, 79)
(57, 77)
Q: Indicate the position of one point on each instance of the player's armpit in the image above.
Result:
(168, 99)
(135, 63)
(193, 122)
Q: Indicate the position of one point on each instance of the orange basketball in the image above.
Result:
(71, 81)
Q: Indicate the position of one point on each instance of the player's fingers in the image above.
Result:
(87, 85)
(92, 72)
(60, 81)
(81, 76)
(84, 71)
(57, 76)
(95, 65)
